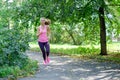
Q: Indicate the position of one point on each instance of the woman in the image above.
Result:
(43, 33)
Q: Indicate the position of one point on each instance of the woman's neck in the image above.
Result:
(42, 25)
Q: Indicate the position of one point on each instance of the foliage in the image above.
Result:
(74, 22)
(16, 71)
(56, 30)
(13, 60)
(83, 14)
(12, 45)
(14, 38)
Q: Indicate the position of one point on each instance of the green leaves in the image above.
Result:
(13, 43)
(13, 60)
(13, 72)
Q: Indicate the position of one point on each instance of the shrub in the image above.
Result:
(13, 60)
(16, 71)
(12, 45)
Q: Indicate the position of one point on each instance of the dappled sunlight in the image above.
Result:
(64, 46)
(60, 39)
(55, 46)
(112, 70)
(65, 78)
(33, 45)
(80, 69)
(114, 47)
(66, 68)
(56, 63)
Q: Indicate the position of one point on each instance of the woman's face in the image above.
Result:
(42, 21)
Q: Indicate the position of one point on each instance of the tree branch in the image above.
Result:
(112, 4)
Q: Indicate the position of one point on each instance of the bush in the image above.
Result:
(12, 45)
(16, 71)
(13, 61)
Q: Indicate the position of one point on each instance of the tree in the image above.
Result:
(94, 4)
(14, 40)
(71, 11)
(86, 11)
(102, 31)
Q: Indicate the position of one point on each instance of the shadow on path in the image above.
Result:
(65, 68)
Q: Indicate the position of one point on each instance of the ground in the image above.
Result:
(66, 68)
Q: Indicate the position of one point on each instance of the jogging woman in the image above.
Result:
(43, 33)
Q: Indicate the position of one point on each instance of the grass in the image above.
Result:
(13, 72)
(114, 47)
(84, 51)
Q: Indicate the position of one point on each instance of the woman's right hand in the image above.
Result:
(39, 32)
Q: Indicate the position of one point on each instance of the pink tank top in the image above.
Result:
(43, 36)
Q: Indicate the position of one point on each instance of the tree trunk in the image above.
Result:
(102, 32)
(71, 35)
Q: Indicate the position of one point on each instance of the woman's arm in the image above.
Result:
(48, 31)
(38, 32)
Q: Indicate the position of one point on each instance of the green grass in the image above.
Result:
(84, 51)
(13, 72)
(114, 47)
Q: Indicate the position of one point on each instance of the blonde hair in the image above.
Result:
(47, 21)
(42, 18)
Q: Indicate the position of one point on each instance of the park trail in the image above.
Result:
(66, 68)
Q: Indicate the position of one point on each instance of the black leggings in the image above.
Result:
(45, 48)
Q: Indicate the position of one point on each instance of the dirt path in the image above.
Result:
(65, 68)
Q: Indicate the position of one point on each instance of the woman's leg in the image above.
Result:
(47, 47)
(41, 45)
